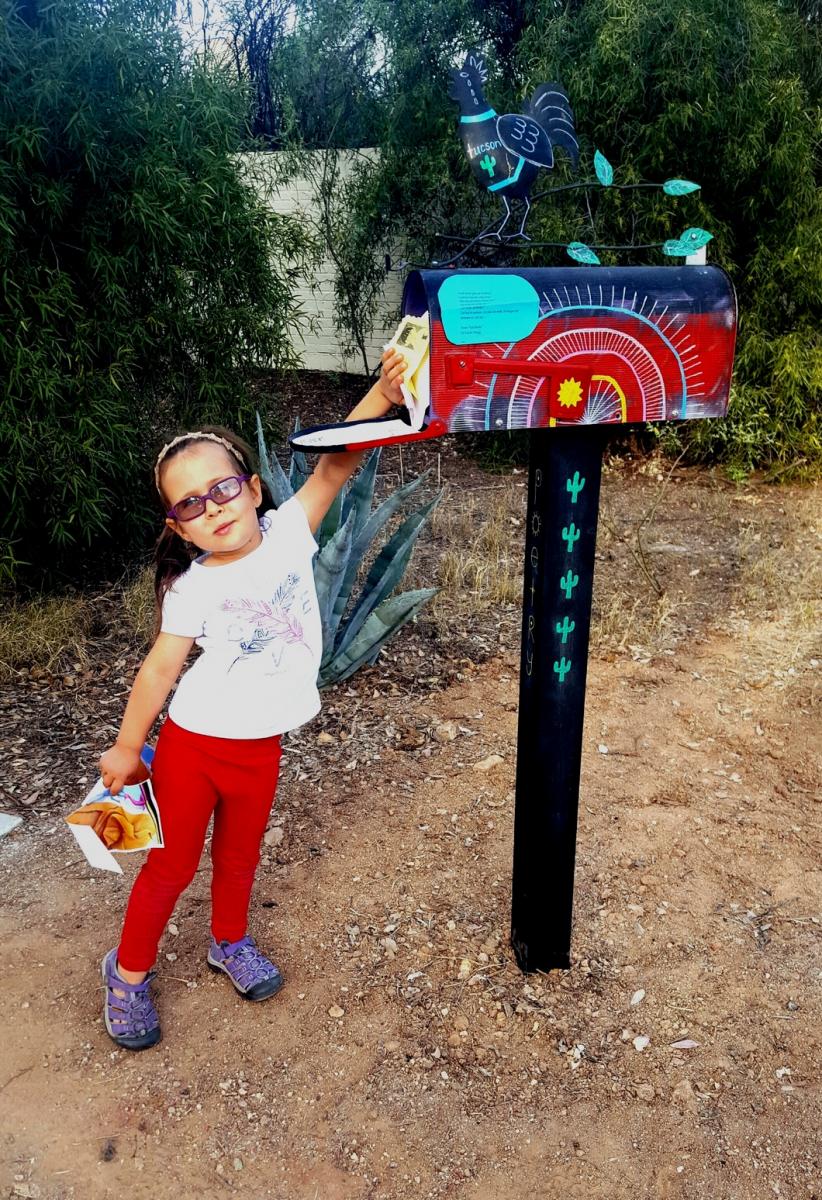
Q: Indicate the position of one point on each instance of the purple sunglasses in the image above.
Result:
(194, 506)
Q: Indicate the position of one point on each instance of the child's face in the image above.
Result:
(226, 531)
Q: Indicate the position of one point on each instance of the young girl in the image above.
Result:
(249, 602)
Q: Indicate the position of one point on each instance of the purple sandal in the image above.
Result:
(254, 976)
(131, 1019)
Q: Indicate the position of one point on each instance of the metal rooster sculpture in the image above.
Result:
(506, 152)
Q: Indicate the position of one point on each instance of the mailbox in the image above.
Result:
(524, 349)
(538, 347)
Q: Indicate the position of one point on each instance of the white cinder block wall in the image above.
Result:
(319, 347)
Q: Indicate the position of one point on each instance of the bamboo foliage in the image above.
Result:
(142, 277)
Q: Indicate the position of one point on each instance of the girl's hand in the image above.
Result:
(121, 766)
(392, 375)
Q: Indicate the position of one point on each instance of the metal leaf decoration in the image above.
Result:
(675, 248)
(604, 170)
(679, 187)
(696, 239)
(582, 253)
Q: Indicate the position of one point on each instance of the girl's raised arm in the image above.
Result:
(161, 668)
(333, 470)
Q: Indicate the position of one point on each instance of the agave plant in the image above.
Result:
(355, 630)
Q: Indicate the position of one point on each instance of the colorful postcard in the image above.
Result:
(106, 825)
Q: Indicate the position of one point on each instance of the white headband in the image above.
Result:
(194, 437)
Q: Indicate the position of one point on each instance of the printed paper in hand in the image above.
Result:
(106, 825)
(413, 338)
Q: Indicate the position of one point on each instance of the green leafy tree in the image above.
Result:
(143, 276)
(311, 67)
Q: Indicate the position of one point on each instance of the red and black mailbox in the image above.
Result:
(541, 347)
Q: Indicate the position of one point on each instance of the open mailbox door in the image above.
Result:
(542, 347)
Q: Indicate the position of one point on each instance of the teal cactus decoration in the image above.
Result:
(568, 582)
(565, 628)
(355, 630)
(562, 668)
(574, 486)
(570, 535)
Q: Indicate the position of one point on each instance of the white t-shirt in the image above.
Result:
(257, 622)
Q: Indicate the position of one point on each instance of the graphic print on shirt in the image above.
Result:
(268, 625)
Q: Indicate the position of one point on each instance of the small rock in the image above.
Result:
(637, 997)
(576, 1055)
(641, 1042)
(273, 836)
(446, 732)
(391, 1047)
(645, 1091)
(465, 969)
(684, 1044)
(237, 1164)
(683, 1096)
(325, 739)
(388, 944)
(172, 929)
(336, 1012)
(488, 764)
(602, 748)
(172, 957)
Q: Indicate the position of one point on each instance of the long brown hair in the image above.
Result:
(173, 555)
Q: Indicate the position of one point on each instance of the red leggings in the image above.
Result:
(194, 776)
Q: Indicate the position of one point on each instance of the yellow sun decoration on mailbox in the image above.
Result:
(570, 393)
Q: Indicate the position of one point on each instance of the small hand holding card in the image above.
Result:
(412, 340)
(106, 825)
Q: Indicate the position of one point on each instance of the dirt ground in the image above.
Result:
(407, 1055)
